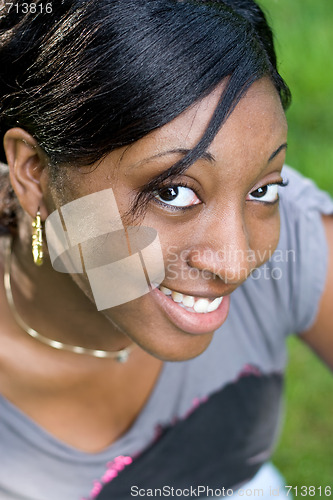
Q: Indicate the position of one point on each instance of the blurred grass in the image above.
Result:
(304, 42)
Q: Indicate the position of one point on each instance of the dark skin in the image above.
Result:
(89, 402)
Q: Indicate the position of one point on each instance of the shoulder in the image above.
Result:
(303, 195)
(319, 336)
(303, 209)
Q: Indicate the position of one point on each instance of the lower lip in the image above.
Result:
(192, 322)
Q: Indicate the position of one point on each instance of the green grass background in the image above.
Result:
(304, 43)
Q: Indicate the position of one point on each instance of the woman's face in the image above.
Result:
(216, 222)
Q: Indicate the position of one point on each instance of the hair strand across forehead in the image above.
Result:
(93, 79)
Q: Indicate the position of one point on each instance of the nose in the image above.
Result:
(223, 250)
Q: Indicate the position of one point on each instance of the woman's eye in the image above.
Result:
(177, 196)
(267, 194)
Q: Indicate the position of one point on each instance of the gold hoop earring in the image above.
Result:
(37, 240)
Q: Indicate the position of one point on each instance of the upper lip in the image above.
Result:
(203, 295)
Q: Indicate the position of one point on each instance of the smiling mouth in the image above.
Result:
(191, 303)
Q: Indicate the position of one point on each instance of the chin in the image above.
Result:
(163, 335)
(179, 347)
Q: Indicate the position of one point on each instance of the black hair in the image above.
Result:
(92, 76)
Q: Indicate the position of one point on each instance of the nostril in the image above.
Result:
(235, 276)
(230, 264)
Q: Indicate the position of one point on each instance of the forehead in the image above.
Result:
(258, 119)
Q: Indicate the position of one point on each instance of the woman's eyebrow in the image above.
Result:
(277, 151)
(205, 156)
(173, 171)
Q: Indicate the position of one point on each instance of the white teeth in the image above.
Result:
(201, 306)
(215, 304)
(177, 297)
(188, 301)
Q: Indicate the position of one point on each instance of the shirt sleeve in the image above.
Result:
(303, 239)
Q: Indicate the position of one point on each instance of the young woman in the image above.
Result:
(166, 115)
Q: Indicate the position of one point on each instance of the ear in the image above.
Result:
(27, 170)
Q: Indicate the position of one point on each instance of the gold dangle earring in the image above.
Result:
(37, 239)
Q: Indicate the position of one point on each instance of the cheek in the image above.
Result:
(264, 233)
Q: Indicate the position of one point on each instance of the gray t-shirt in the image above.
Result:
(279, 298)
